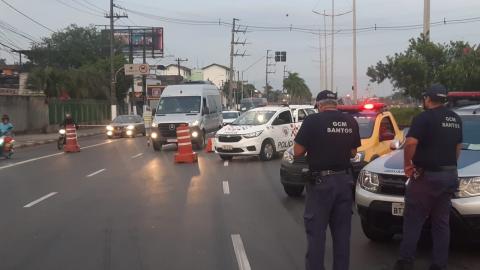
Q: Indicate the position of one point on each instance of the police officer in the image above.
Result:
(330, 138)
(431, 152)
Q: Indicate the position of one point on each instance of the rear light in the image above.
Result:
(368, 106)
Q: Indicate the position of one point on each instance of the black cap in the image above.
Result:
(436, 91)
(326, 94)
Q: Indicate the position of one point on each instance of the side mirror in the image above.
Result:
(395, 145)
(387, 136)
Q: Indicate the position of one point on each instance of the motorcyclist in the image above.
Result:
(69, 121)
(5, 126)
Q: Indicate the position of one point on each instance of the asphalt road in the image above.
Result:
(119, 205)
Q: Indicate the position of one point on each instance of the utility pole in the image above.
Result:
(285, 76)
(233, 54)
(426, 19)
(112, 17)
(321, 63)
(267, 70)
(179, 60)
(333, 46)
(355, 78)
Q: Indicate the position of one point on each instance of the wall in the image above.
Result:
(173, 70)
(216, 74)
(27, 113)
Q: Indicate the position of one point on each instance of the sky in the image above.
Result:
(206, 44)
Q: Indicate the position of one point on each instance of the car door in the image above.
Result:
(282, 127)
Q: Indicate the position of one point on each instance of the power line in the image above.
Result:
(88, 7)
(95, 6)
(78, 9)
(15, 31)
(26, 16)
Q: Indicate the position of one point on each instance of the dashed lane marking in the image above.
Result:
(95, 173)
(225, 163)
(137, 156)
(226, 188)
(240, 253)
(40, 199)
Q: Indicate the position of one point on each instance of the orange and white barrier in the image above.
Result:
(71, 145)
(185, 152)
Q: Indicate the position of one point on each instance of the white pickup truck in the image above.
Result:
(260, 132)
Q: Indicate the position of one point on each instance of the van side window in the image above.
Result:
(212, 104)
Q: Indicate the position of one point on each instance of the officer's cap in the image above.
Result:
(436, 91)
(326, 94)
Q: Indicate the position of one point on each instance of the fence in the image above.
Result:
(85, 111)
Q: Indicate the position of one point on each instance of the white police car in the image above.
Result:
(261, 131)
(381, 187)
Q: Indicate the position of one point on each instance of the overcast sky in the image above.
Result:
(203, 45)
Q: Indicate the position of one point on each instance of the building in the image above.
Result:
(217, 74)
(172, 69)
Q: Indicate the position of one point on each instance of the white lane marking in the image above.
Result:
(240, 253)
(40, 199)
(47, 156)
(226, 188)
(225, 163)
(95, 173)
(138, 155)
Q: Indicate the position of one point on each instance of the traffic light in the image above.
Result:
(281, 56)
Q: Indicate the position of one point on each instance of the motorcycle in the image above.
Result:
(61, 139)
(6, 146)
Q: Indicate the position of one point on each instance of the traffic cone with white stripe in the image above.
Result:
(209, 148)
(185, 152)
(71, 144)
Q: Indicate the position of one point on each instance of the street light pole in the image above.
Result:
(426, 19)
(355, 79)
(333, 46)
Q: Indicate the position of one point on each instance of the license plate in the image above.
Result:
(227, 147)
(397, 209)
(172, 140)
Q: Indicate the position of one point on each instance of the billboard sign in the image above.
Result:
(137, 40)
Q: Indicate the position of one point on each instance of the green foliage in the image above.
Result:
(404, 116)
(3, 61)
(456, 65)
(77, 61)
(297, 88)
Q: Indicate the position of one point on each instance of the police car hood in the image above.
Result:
(468, 164)
(175, 118)
(241, 129)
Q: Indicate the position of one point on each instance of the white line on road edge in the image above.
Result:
(225, 163)
(240, 253)
(39, 200)
(138, 155)
(226, 188)
(95, 173)
(47, 156)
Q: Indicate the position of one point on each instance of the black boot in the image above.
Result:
(403, 265)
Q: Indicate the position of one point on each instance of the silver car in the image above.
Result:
(381, 187)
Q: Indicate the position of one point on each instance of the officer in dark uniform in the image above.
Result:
(330, 138)
(431, 152)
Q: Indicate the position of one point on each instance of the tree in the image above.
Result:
(457, 65)
(297, 88)
(3, 61)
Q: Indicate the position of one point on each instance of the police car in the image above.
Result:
(262, 131)
(381, 187)
(378, 128)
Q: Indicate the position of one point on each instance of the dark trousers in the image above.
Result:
(329, 203)
(429, 197)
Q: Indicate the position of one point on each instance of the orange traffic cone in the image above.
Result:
(209, 148)
(185, 152)
(71, 145)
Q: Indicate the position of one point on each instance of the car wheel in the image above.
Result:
(157, 146)
(60, 143)
(223, 157)
(200, 144)
(374, 234)
(294, 191)
(267, 151)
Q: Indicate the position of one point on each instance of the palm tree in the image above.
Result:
(297, 88)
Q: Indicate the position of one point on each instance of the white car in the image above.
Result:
(229, 116)
(260, 132)
(300, 112)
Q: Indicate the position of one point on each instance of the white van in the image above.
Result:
(196, 104)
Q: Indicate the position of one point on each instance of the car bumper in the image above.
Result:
(245, 147)
(377, 210)
(173, 139)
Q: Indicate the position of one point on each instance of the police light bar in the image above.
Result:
(363, 107)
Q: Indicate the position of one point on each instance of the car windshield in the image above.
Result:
(471, 132)
(365, 126)
(230, 115)
(124, 119)
(254, 118)
(184, 104)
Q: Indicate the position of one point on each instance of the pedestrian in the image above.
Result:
(330, 138)
(431, 152)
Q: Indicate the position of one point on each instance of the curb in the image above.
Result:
(35, 143)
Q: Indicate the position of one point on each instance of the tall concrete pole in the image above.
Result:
(426, 19)
(321, 63)
(355, 78)
(113, 98)
(333, 47)
(231, 74)
(325, 50)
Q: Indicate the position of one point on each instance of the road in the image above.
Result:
(119, 205)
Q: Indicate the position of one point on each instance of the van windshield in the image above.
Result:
(183, 104)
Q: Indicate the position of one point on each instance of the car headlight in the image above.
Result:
(359, 157)
(194, 123)
(195, 134)
(288, 156)
(369, 181)
(468, 187)
(62, 131)
(110, 128)
(252, 134)
(130, 127)
(1, 141)
(154, 125)
(154, 135)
